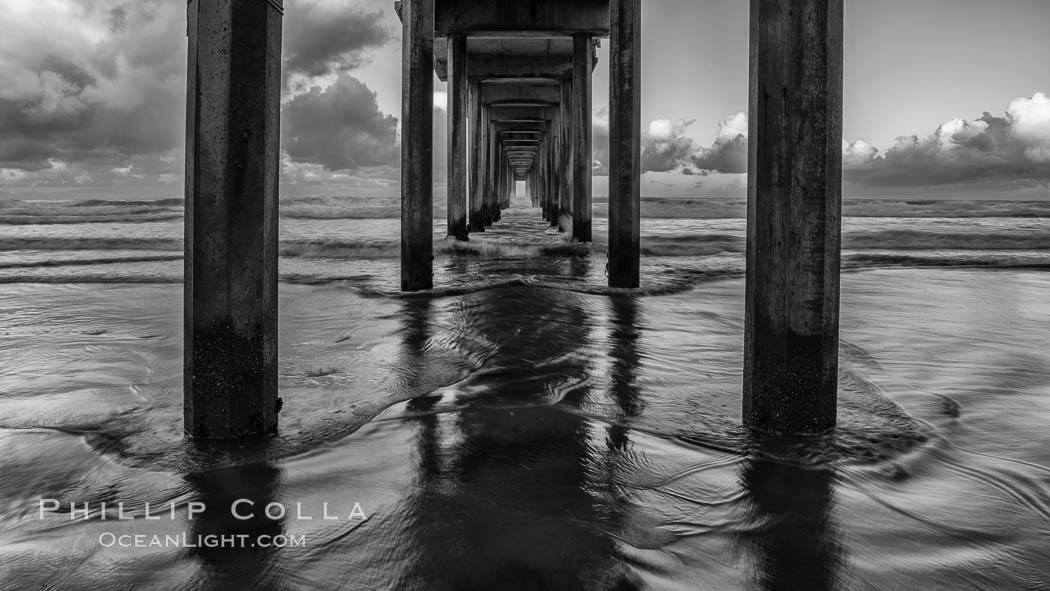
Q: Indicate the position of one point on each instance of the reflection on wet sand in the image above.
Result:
(235, 518)
(505, 495)
(790, 530)
(626, 355)
(524, 435)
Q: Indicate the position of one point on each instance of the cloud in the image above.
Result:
(326, 37)
(1016, 146)
(331, 121)
(1030, 125)
(339, 127)
(729, 152)
(100, 84)
(859, 153)
(664, 145)
(90, 83)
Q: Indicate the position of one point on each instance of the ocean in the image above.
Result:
(522, 426)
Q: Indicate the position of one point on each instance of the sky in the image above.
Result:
(937, 93)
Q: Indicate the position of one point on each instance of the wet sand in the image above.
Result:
(533, 431)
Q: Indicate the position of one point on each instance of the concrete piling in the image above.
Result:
(794, 176)
(477, 174)
(624, 142)
(565, 176)
(417, 124)
(458, 113)
(232, 166)
(794, 205)
(492, 161)
(553, 160)
(582, 60)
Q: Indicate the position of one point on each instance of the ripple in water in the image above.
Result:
(526, 428)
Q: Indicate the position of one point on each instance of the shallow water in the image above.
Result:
(524, 427)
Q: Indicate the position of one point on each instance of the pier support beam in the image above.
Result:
(457, 136)
(417, 144)
(548, 186)
(565, 177)
(477, 174)
(536, 190)
(794, 205)
(491, 169)
(554, 144)
(497, 176)
(510, 182)
(625, 94)
(498, 166)
(541, 171)
(232, 162)
(582, 60)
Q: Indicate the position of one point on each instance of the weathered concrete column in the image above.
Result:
(554, 178)
(491, 159)
(794, 205)
(555, 139)
(508, 182)
(548, 186)
(625, 97)
(565, 176)
(582, 60)
(457, 136)
(530, 187)
(477, 182)
(232, 145)
(477, 203)
(497, 196)
(535, 185)
(551, 162)
(498, 165)
(549, 166)
(541, 173)
(417, 124)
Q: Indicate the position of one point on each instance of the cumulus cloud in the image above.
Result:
(665, 146)
(325, 37)
(729, 152)
(91, 84)
(1016, 146)
(330, 119)
(859, 153)
(339, 127)
(99, 85)
(1030, 125)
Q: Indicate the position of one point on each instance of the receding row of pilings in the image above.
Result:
(512, 116)
(794, 178)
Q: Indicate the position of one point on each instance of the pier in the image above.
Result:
(520, 103)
